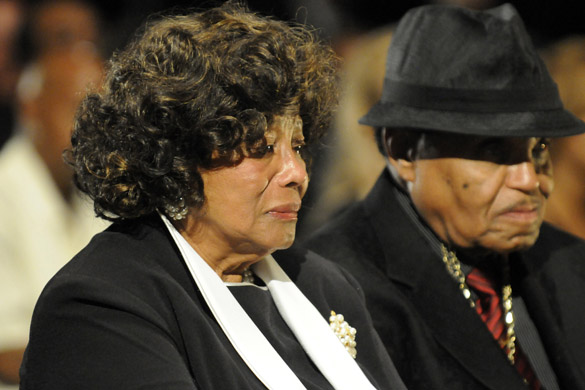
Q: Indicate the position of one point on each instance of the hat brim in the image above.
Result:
(547, 123)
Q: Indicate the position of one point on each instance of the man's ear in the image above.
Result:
(400, 146)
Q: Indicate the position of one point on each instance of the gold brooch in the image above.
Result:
(344, 332)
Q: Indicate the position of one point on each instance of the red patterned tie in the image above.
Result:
(489, 308)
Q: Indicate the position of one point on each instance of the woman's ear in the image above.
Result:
(400, 146)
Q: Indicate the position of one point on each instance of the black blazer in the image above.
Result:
(433, 337)
(125, 314)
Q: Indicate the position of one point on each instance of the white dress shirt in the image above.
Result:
(39, 233)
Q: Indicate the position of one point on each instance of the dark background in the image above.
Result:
(546, 20)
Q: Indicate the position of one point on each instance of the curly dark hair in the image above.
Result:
(194, 92)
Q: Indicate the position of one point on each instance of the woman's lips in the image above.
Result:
(286, 212)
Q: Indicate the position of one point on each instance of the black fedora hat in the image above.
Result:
(469, 72)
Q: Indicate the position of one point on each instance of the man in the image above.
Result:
(466, 286)
(43, 221)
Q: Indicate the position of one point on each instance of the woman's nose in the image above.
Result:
(293, 170)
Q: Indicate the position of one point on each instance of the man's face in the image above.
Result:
(483, 192)
(67, 77)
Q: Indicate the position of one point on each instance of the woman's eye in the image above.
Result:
(299, 148)
(260, 151)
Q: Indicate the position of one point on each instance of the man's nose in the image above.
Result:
(523, 177)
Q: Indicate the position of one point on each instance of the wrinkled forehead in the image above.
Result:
(290, 121)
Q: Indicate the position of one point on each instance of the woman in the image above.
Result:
(194, 148)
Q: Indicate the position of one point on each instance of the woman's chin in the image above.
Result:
(285, 240)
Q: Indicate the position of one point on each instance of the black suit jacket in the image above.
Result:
(434, 338)
(126, 314)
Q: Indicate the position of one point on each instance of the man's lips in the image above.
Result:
(286, 211)
(523, 212)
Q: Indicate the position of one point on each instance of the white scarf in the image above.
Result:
(311, 329)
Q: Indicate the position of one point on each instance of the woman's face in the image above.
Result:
(252, 208)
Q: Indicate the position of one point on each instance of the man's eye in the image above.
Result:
(540, 153)
(495, 152)
(541, 148)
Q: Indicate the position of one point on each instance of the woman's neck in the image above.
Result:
(228, 260)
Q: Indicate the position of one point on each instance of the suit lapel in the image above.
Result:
(543, 306)
(411, 261)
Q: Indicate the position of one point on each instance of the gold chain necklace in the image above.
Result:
(454, 268)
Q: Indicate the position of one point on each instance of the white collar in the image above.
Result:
(310, 328)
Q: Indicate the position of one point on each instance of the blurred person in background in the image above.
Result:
(351, 161)
(59, 25)
(43, 219)
(566, 206)
(11, 17)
